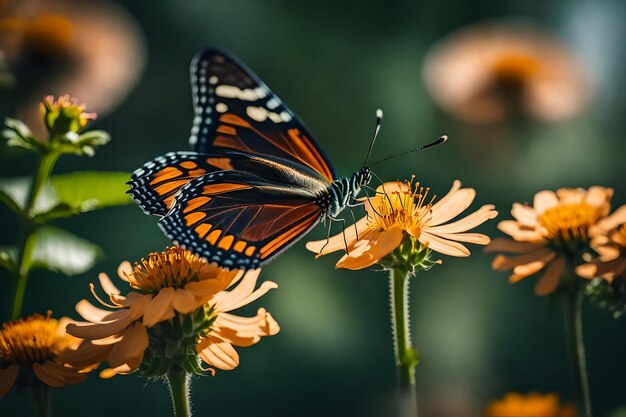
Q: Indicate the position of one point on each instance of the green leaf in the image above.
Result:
(8, 257)
(14, 192)
(17, 134)
(61, 251)
(91, 190)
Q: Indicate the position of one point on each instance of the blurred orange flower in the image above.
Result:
(36, 348)
(557, 228)
(168, 287)
(529, 405)
(92, 50)
(401, 208)
(610, 243)
(486, 73)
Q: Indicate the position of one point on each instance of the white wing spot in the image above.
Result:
(230, 91)
(272, 103)
(260, 114)
(213, 79)
(221, 107)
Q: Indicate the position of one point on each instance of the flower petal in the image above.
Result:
(124, 270)
(133, 345)
(55, 375)
(184, 301)
(454, 203)
(525, 215)
(618, 217)
(476, 238)
(504, 263)
(7, 378)
(245, 331)
(550, 279)
(444, 246)
(478, 217)
(544, 200)
(512, 246)
(231, 300)
(119, 320)
(378, 245)
(87, 355)
(517, 232)
(219, 353)
(160, 307)
(92, 313)
(107, 285)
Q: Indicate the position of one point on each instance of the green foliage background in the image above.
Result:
(335, 63)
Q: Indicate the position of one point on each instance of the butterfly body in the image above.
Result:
(256, 181)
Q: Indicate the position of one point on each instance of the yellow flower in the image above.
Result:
(609, 242)
(401, 209)
(555, 230)
(529, 405)
(176, 299)
(37, 345)
(487, 73)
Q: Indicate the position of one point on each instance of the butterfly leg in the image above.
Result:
(327, 235)
(343, 231)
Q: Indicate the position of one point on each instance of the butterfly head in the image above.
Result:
(364, 176)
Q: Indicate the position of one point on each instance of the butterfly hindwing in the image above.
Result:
(154, 185)
(235, 110)
(239, 220)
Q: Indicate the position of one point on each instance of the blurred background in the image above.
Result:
(335, 63)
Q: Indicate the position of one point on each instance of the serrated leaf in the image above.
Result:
(8, 257)
(61, 251)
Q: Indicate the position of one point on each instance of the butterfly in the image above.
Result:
(256, 181)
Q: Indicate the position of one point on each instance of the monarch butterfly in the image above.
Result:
(256, 181)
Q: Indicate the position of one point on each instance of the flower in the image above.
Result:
(36, 349)
(529, 405)
(554, 231)
(609, 242)
(93, 50)
(486, 73)
(177, 310)
(403, 210)
(66, 114)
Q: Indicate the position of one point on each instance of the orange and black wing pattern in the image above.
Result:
(239, 220)
(154, 185)
(235, 110)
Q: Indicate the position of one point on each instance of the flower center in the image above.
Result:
(405, 208)
(173, 268)
(29, 340)
(569, 222)
(515, 69)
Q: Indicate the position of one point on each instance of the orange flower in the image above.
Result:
(175, 293)
(486, 73)
(555, 230)
(37, 345)
(529, 405)
(401, 209)
(610, 243)
(93, 50)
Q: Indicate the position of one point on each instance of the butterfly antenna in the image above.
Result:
(379, 119)
(439, 141)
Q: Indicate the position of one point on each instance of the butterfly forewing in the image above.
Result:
(239, 220)
(234, 109)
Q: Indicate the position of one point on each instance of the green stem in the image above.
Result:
(27, 240)
(178, 381)
(405, 356)
(41, 395)
(572, 315)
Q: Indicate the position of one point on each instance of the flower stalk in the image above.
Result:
(406, 356)
(41, 395)
(574, 342)
(179, 382)
(27, 241)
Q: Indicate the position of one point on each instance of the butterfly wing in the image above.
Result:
(154, 185)
(235, 110)
(239, 220)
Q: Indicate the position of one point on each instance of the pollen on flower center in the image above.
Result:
(404, 208)
(173, 268)
(29, 340)
(569, 221)
(515, 69)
